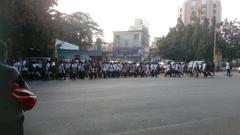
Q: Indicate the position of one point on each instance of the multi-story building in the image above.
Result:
(202, 9)
(132, 44)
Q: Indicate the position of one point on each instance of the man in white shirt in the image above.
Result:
(228, 68)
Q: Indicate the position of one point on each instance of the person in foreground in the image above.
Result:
(11, 111)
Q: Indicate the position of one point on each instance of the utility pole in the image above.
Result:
(214, 46)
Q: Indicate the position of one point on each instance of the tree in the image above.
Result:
(99, 44)
(33, 25)
(77, 28)
(195, 41)
(176, 44)
(229, 39)
(24, 24)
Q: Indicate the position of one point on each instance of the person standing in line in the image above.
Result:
(119, 65)
(168, 70)
(108, 69)
(94, 70)
(99, 70)
(74, 70)
(91, 71)
(48, 70)
(53, 69)
(178, 69)
(81, 69)
(196, 69)
(61, 71)
(115, 68)
(174, 69)
(104, 68)
(124, 70)
(111, 70)
(204, 69)
(208, 70)
(11, 112)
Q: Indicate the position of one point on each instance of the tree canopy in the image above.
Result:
(77, 28)
(195, 41)
(27, 25)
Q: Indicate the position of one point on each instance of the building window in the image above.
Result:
(203, 18)
(214, 6)
(214, 17)
(194, 14)
(126, 43)
(204, 6)
(204, 2)
(136, 37)
(192, 9)
(204, 15)
(214, 12)
(203, 12)
(117, 37)
(193, 3)
(180, 9)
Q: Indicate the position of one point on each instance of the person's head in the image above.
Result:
(3, 53)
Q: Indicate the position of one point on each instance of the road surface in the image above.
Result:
(136, 106)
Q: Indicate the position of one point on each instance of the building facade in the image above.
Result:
(132, 44)
(202, 9)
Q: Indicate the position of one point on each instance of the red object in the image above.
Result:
(26, 98)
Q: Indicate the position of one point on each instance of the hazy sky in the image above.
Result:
(115, 15)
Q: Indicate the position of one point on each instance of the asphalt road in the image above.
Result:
(148, 106)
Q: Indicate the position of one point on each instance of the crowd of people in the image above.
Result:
(49, 69)
(192, 69)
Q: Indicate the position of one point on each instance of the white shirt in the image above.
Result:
(227, 65)
(168, 67)
(204, 66)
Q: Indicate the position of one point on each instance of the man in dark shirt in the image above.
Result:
(11, 112)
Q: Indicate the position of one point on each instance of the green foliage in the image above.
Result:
(99, 43)
(24, 25)
(77, 28)
(229, 39)
(27, 25)
(195, 41)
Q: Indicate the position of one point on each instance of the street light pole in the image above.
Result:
(214, 46)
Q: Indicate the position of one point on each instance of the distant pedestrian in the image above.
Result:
(228, 69)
